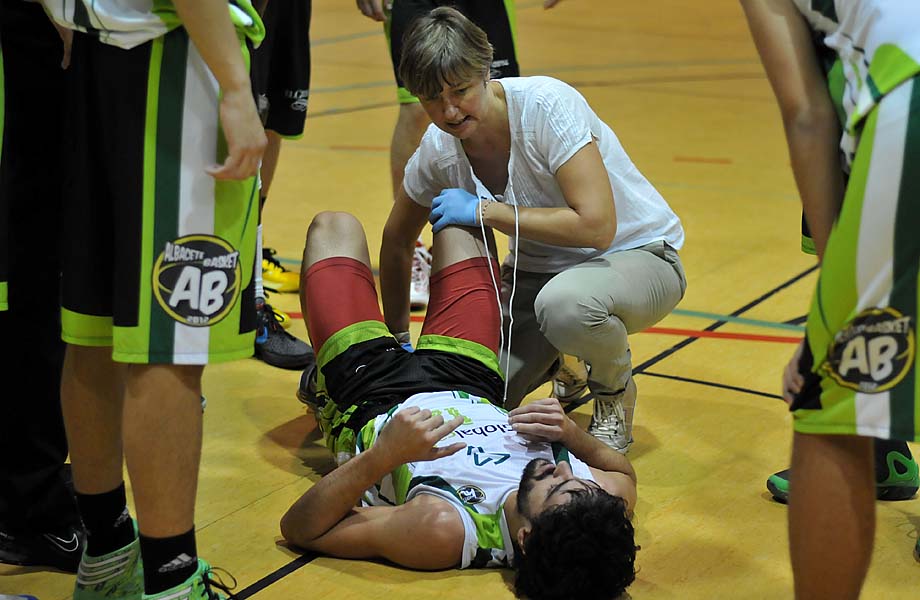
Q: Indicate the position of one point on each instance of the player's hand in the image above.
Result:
(373, 9)
(245, 136)
(792, 378)
(454, 206)
(541, 421)
(411, 435)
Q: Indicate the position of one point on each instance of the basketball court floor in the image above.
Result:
(681, 85)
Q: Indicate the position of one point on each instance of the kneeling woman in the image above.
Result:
(593, 244)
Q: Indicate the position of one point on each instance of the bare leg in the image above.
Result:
(162, 436)
(831, 515)
(455, 244)
(410, 126)
(269, 164)
(92, 388)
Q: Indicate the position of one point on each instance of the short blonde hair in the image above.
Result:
(443, 48)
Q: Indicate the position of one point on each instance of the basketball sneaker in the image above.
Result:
(60, 549)
(306, 391)
(275, 276)
(277, 347)
(200, 586)
(118, 574)
(897, 475)
(421, 271)
(570, 380)
(611, 422)
(282, 317)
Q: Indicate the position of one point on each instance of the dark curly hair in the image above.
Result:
(582, 549)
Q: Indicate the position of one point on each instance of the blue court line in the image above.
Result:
(740, 320)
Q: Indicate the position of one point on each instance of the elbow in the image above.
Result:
(292, 534)
(805, 121)
(603, 235)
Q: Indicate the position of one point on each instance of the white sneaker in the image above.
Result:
(421, 271)
(570, 380)
(613, 417)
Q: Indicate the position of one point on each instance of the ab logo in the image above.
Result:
(196, 279)
(874, 352)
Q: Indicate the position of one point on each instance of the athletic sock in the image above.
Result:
(107, 521)
(168, 561)
(257, 275)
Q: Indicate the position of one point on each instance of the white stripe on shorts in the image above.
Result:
(875, 252)
(196, 188)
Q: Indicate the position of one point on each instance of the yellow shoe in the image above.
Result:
(283, 318)
(276, 277)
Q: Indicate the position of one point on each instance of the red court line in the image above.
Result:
(690, 333)
(693, 333)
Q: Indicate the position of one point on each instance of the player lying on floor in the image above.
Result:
(433, 473)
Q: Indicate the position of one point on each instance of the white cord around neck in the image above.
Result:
(498, 298)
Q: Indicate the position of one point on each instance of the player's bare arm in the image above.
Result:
(784, 43)
(325, 518)
(209, 26)
(545, 421)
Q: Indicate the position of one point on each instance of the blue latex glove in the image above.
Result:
(454, 207)
(404, 341)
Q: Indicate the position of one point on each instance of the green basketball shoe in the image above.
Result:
(200, 586)
(897, 475)
(118, 574)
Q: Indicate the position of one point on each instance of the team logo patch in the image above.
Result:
(470, 494)
(196, 279)
(873, 353)
(298, 98)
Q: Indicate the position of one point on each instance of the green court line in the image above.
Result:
(740, 320)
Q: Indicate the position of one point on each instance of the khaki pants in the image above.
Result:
(587, 311)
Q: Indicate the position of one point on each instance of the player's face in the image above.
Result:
(459, 109)
(544, 485)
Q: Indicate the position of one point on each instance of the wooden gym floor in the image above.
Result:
(681, 85)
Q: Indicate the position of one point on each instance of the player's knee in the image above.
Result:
(334, 224)
(563, 314)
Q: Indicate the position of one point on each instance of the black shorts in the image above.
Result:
(375, 375)
(495, 17)
(280, 69)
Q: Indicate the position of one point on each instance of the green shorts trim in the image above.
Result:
(342, 340)
(461, 347)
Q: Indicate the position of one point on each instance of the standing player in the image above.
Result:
(897, 476)
(280, 74)
(157, 277)
(39, 524)
(497, 19)
(854, 376)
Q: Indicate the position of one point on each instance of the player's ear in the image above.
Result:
(522, 534)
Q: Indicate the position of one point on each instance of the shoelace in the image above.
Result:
(218, 582)
(609, 416)
(421, 263)
(274, 322)
(271, 258)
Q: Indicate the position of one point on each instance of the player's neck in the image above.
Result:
(514, 518)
